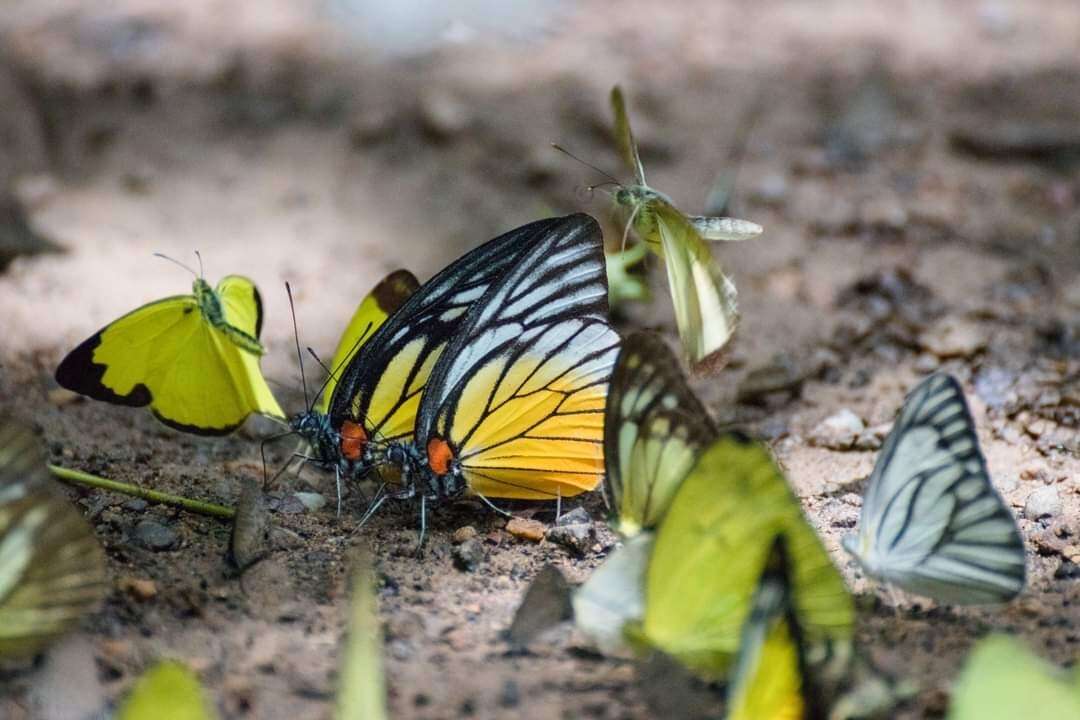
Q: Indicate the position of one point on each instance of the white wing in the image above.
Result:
(931, 521)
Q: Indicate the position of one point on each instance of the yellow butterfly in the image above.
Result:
(711, 547)
(383, 301)
(514, 408)
(374, 401)
(654, 430)
(771, 679)
(194, 359)
(52, 569)
(704, 298)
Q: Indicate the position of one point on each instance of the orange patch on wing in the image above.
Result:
(439, 455)
(353, 440)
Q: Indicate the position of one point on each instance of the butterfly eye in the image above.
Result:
(353, 439)
(439, 455)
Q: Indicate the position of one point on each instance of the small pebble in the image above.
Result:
(468, 555)
(952, 338)
(138, 588)
(154, 536)
(62, 396)
(838, 431)
(312, 501)
(443, 115)
(510, 696)
(577, 538)
(575, 517)
(1043, 502)
(526, 529)
(136, 505)
(463, 534)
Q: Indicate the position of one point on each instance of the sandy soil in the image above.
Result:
(913, 167)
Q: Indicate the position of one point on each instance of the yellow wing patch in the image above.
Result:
(379, 304)
(191, 369)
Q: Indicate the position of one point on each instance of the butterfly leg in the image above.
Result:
(337, 480)
(376, 503)
(491, 505)
(423, 525)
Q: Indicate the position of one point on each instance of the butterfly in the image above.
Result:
(374, 405)
(654, 429)
(514, 407)
(703, 296)
(194, 359)
(710, 549)
(383, 301)
(1003, 680)
(771, 677)
(52, 569)
(931, 521)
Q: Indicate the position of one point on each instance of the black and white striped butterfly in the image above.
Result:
(931, 520)
(52, 569)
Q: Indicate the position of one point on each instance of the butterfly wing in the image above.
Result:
(769, 679)
(703, 297)
(726, 229)
(362, 680)
(614, 595)
(52, 569)
(167, 691)
(1002, 680)
(624, 136)
(519, 394)
(931, 521)
(654, 430)
(242, 308)
(383, 301)
(711, 548)
(381, 386)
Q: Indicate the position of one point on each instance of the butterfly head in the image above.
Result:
(634, 196)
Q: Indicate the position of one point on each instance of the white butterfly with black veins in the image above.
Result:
(931, 520)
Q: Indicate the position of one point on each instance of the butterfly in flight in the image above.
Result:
(52, 568)
(703, 296)
(931, 520)
(194, 359)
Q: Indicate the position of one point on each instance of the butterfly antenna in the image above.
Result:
(629, 224)
(606, 174)
(199, 256)
(299, 354)
(262, 452)
(330, 374)
(174, 261)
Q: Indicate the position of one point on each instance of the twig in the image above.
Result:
(197, 506)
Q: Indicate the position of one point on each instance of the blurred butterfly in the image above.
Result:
(167, 691)
(771, 676)
(52, 569)
(362, 679)
(931, 521)
(514, 407)
(703, 296)
(702, 564)
(711, 547)
(374, 402)
(654, 430)
(1004, 680)
(194, 359)
(383, 301)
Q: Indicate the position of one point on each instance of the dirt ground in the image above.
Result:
(913, 165)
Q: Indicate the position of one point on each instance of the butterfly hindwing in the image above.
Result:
(52, 569)
(654, 429)
(931, 521)
(518, 397)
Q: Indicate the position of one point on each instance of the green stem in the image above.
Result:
(197, 506)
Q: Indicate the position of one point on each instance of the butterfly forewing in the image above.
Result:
(519, 393)
(624, 136)
(654, 429)
(932, 522)
(52, 568)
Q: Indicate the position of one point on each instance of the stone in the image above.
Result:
(526, 529)
(577, 538)
(312, 501)
(154, 536)
(468, 555)
(463, 534)
(838, 431)
(138, 588)
(575, 517)
(1043, 502)
(953, 337)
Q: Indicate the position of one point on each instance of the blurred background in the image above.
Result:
(913, 164)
